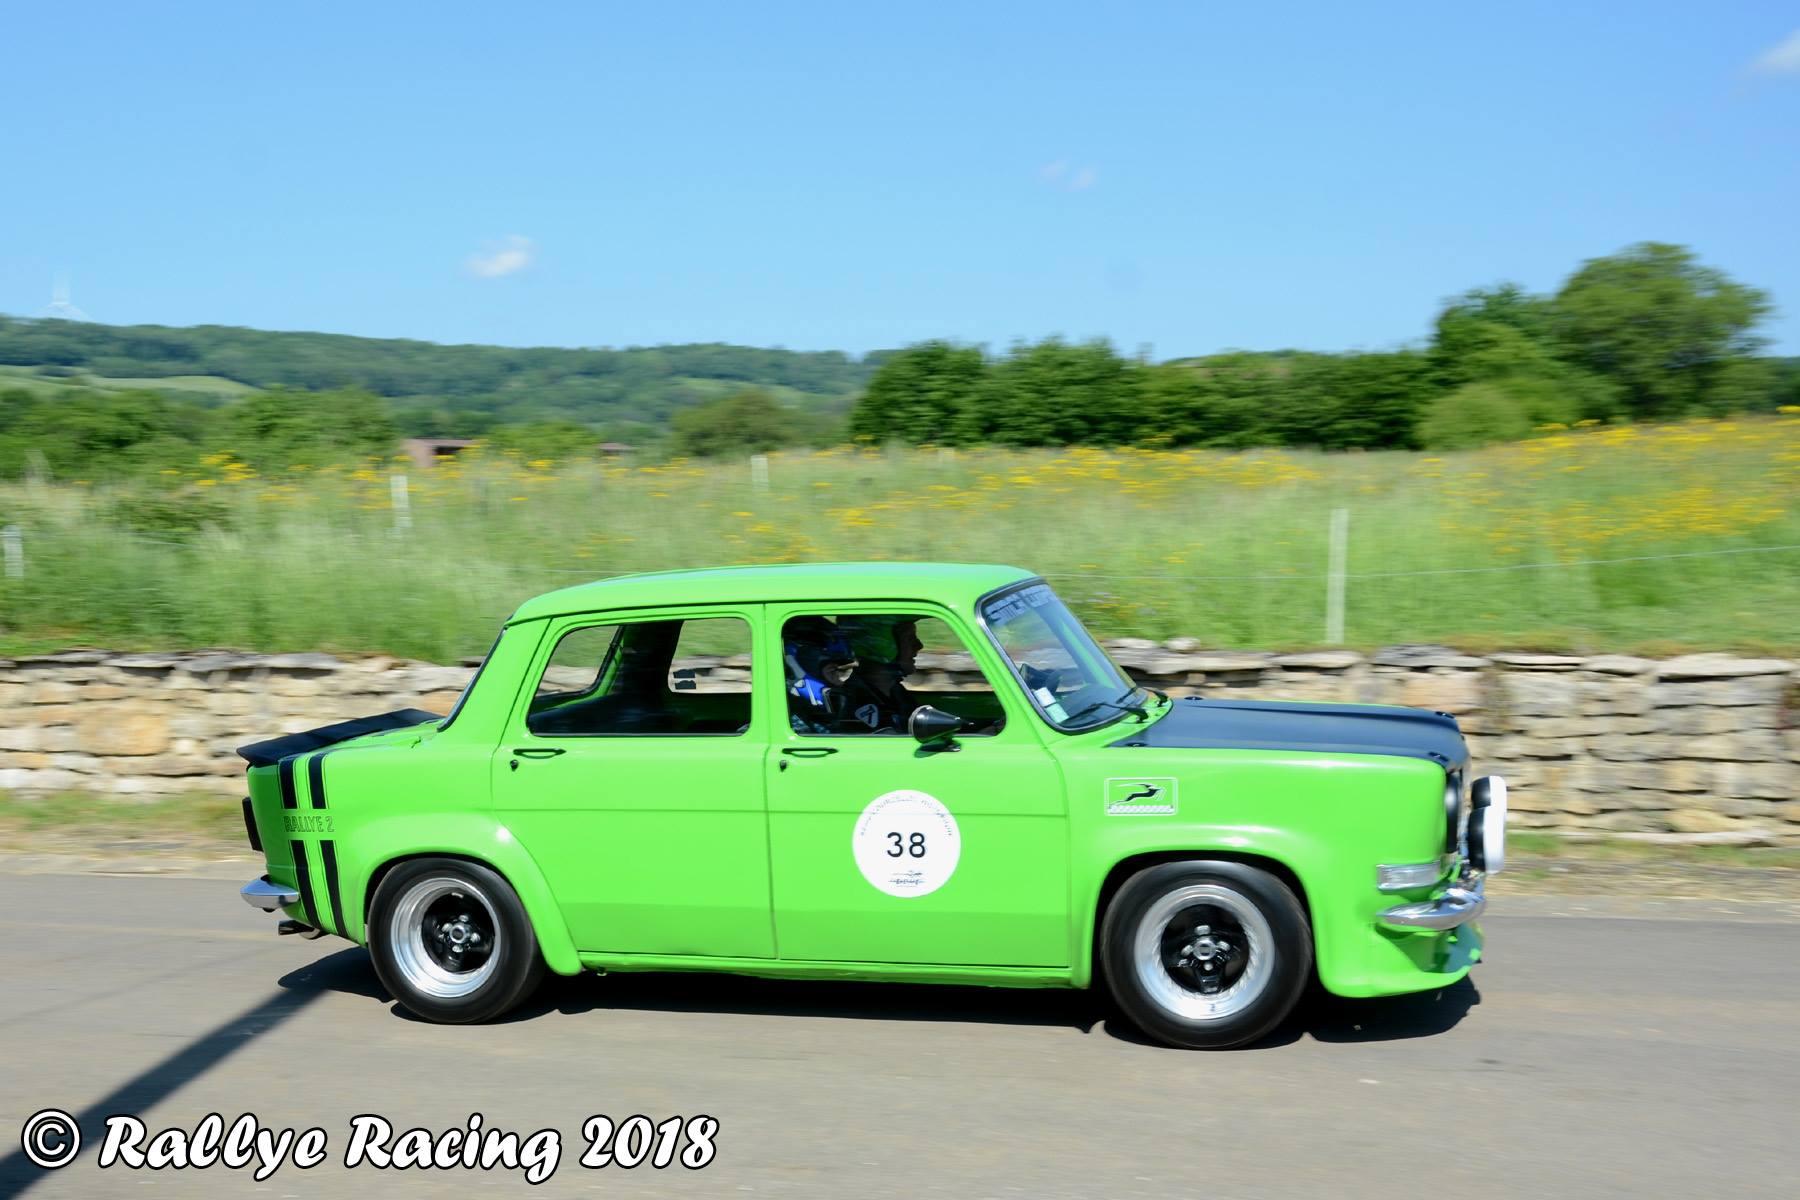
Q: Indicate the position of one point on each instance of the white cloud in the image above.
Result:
(1783, 58)
(1067, 177)
(511, 254)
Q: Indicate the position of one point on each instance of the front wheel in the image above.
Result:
(451, 941)
(1205, 955)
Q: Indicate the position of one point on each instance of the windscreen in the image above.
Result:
(1069, 678)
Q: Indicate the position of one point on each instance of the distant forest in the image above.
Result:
(1649, 333)
(442, 390)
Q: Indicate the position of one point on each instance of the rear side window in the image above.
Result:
(646, 679)
(575, 666)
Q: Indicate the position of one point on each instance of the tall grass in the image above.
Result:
(1228, 548)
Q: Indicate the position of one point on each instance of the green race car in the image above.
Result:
(893, 771)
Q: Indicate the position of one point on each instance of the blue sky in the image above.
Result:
(1177, 177)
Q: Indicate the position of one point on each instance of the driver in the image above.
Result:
(885, 649)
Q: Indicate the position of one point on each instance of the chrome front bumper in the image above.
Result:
(260, 893)
(1460, 903)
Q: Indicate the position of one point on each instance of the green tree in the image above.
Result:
(282, 426)
(1483, 323)
(1664, 329)
(1361, 401)
(920, 395)
(1475, 414)
(1052, 393)
(557, 440)
(1229, 401)
(745, 422)
(94, 435)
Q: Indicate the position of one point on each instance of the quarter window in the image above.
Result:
(646, 678)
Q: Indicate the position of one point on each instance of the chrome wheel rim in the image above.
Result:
(1203, 952)
(445, 936)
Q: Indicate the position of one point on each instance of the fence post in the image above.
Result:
(759, 472)
(14, 542)
(402, 501)
(1334, 576)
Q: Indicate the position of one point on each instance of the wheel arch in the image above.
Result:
(519, 873)
(1131, 864)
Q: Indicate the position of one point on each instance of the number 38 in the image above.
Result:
(913, 846)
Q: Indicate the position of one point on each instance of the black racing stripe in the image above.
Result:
(328, 852)
(286, 772)
(303, 881)
(315, 779)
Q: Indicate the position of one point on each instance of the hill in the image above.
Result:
(432, 388)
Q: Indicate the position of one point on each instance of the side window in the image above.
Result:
(712, 657)
(576, 663)
(647, 678)
(865, 673)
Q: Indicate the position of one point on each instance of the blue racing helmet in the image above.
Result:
(817, 657)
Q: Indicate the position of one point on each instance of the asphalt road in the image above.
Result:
(1591, 1056)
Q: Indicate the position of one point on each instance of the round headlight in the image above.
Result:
(1487, 824)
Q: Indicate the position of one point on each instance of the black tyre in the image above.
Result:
(451, 941)
(1205, 955)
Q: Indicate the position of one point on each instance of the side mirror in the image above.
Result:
(928, 724)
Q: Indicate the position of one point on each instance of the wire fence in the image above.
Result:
(13, 541)
(1292, 575)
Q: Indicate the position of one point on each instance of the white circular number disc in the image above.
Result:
(906, 843)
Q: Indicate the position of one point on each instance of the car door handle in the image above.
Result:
(809, 751)
(538, 751)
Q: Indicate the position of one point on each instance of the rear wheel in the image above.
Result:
(451, 941)
(1205, 955)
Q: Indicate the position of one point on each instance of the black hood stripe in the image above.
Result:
(261, 754)
(1196, 723)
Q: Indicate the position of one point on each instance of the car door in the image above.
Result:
(632, 771)
(886, 851)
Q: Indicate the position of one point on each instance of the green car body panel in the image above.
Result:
(735, 852)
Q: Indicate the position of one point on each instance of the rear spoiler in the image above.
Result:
(267, 754)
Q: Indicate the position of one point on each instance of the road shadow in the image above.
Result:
(698, 992)
(1390, 1018)
(349, 971)
(141, 1092)
(1319, 1016)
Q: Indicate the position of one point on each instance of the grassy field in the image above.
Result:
(1508, 546)
(198, 387)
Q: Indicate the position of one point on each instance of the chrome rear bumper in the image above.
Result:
(1461, 903)
(260, 893)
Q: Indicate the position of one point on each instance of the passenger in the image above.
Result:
(886, 649)
(818, 661)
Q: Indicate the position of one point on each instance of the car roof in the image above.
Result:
(949, 584)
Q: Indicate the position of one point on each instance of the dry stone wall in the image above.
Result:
(1703, 744)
